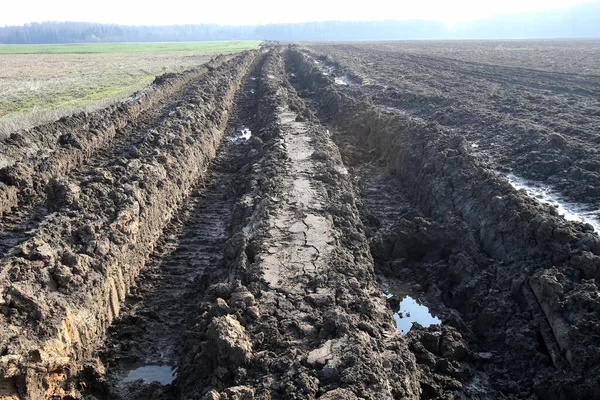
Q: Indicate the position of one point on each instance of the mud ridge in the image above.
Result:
(543, 126)
(63, 287)
(513, 278)
(33, 157)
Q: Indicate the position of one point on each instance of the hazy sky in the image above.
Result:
(238, 12)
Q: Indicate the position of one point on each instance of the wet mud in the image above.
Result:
(267, 230)
(540, 124)
(494, 263)
(64, 285)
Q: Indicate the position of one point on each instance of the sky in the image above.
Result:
(247, 12)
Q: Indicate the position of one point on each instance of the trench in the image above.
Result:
(283, 320)
(144, 346)
(430, 227)
(384, 203)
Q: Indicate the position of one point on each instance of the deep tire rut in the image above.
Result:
(19, 224)
(152, 328)
(239, 242)
(153, 322)
(497, 267)
(68, 281)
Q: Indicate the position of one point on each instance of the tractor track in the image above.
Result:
(235, 240)
(153, 322)
(473, 245)
(104, 223)
(18, 224)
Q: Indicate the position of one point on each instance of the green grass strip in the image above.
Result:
(100, 48)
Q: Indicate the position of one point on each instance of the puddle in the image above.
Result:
(241, 134)
(163, 374)
(328, 70)
(246, 134)
(410, 308)
(569, 211)
(342, 81)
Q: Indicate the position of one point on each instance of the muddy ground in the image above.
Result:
(517, 106)
(231, 237)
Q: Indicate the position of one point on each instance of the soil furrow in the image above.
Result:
(64, 286)
(19, 224)
(478, 249)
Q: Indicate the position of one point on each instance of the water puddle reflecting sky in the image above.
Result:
(400, 110)
(163, 374)
(328, 70)
(568, 210)
(407, 308)
(241, 133)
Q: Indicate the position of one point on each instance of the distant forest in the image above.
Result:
(83, 32)
(578, 21)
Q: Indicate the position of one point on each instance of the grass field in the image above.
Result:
(40, 83)
(87, 48)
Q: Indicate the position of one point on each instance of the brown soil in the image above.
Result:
(537, 122)
(253, 265)
(498, 266)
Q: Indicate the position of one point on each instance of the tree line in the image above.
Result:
(578, 21)
(83, 32)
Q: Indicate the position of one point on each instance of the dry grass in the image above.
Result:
(38, 115)
(39, 88)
